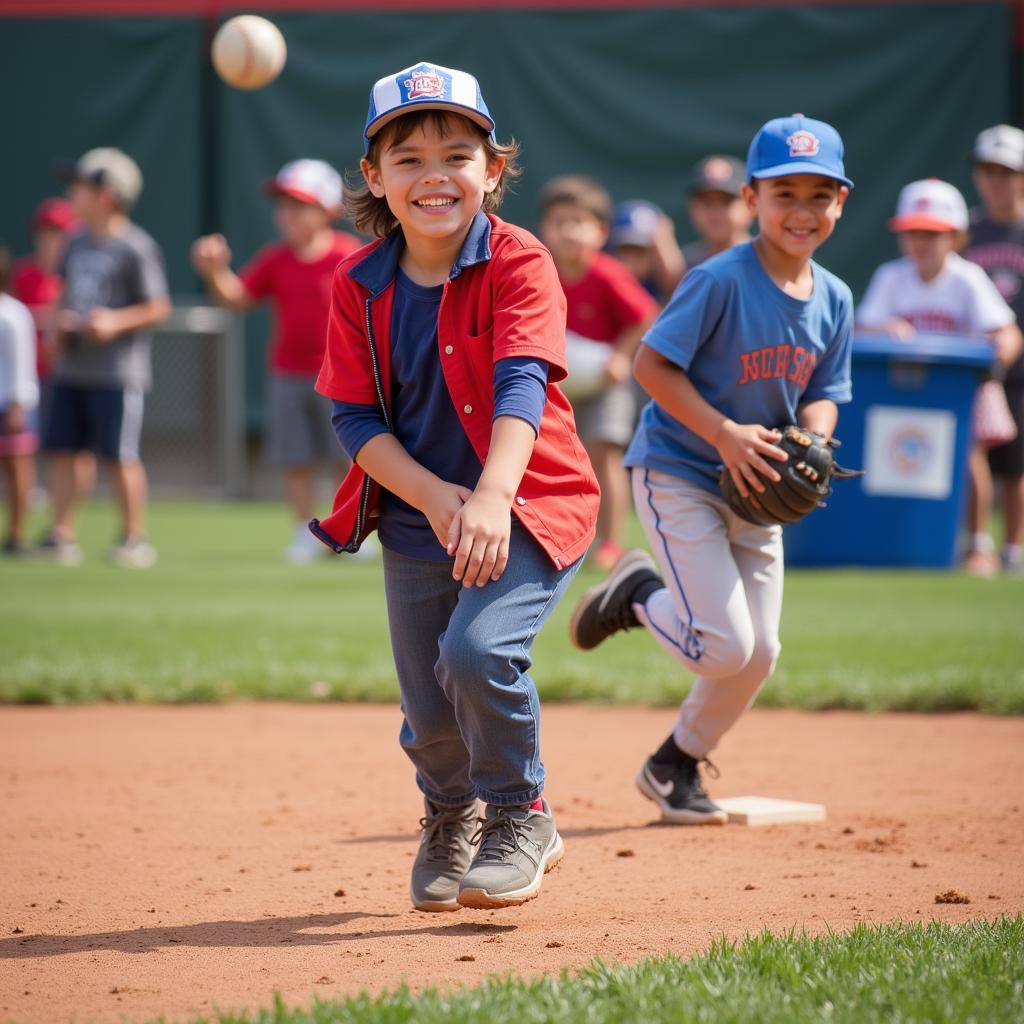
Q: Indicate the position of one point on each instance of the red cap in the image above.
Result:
(54, 213)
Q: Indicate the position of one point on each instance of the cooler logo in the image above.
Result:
(803, 143)
(424, 85)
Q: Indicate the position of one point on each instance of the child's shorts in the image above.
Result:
(299, 429)
(107, 420)
(24, 442)
(1008, 459)
(608, 417)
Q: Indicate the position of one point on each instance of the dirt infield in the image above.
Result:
(174, 860)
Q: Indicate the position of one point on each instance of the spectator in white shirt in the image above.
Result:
(19, 398)
(933, 289)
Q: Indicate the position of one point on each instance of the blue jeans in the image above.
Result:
(472, 717)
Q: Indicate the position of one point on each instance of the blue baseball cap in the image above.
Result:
(634, 222)
(797, 145)
(426, 86)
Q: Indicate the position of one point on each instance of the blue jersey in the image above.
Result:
(751, 351)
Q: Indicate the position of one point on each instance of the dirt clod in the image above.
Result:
(553, 944)
(625, 853)
(952, 896)
(918, 864)
(466, 958)
(748, 887)
(339, 892)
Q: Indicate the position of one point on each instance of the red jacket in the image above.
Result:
(503, 299)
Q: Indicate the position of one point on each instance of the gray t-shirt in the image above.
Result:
(116, 271)
(999, 250)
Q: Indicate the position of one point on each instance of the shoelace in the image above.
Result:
(613, 618)
(498, 837)
(440, 833)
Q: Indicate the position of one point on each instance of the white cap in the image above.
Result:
(309, 181)
(1003, 145)
(930, 205)
(113, 169)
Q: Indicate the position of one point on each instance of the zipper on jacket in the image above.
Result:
(364, 497)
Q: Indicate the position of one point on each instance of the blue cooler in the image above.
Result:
(909, 428)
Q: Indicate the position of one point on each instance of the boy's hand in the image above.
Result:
(479, 538)
(441, 505)
(743, 448)
(101, 324)
(619, 367)
(210, 254)
(902, 330)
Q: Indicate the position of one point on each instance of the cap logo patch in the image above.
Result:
(424, 85)
(717, 169)
(803, 143)
(923, 203)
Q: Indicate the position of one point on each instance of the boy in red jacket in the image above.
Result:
(445, 346)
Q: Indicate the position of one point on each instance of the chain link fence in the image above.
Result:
(194, 435)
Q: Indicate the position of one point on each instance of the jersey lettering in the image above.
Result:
(778, 362)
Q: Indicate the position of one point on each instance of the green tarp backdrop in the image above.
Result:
(631, 96)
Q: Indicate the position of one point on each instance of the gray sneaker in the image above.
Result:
(133, 553)
(517, 848)
(62, 552)
(445, 852)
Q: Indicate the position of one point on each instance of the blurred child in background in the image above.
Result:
(35, 282)
(934, 289)
(997, 246)
(644, 238)
(114, 290)
(19, 397)
(295, 275)
(605, 304)
(716, 207)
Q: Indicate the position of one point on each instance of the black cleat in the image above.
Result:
(678, 792)
(607, 608)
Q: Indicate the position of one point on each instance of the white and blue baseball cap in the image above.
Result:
(426, 86)
(797, 145)
(634, 222)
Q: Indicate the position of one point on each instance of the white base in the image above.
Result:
(766, 810)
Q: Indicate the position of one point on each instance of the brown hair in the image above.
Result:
(372, 214)
(577, 190)
(6, 261)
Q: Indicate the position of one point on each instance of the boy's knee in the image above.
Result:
(471, 659)
(463, 658)
(726, 655)
(762, 662)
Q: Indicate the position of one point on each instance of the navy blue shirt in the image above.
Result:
(425, 421)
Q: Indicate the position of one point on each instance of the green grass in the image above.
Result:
(885, 974)
(221, 616)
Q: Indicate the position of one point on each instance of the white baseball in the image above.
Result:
(248, 51)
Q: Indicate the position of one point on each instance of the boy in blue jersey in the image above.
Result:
(756, 337)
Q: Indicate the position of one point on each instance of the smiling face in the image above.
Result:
(797, 213)
(435, 179)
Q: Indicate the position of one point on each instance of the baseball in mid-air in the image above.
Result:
(248, 51)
